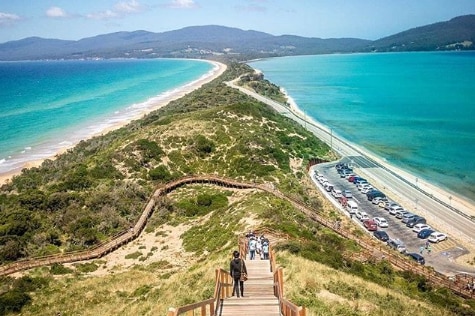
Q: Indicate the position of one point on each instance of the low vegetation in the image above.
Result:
(99, 188)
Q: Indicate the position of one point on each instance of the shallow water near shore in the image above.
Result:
(414, 110)
(46, 106)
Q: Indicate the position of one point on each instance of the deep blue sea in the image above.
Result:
(414, 110)
(49, 105)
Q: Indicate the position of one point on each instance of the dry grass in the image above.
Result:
(333, 292)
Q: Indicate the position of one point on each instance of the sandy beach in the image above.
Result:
(156, 103)
(448, 197)
(414, 194)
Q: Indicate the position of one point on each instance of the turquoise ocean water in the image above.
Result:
(49, 105)
(414, 110)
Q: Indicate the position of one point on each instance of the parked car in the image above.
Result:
(397, 244)
(381, 235)
(381, 222)
(419, 227)
(347, 194)
(354, 179)
(346, 174)
(389, 205)
(425, 233)
(361, 215)
(408, 216)
(416, 220)
(400, 213)
(370, 225)
(385, 202)
(351, 178)
(361, 186)
(343, 200)
(378, 199)
(364, 217)
(417, 257)
(374, 194)
(437, 236)
(367, 189)
(336, 193)
(351, 207)
(328, 186)
(395, 208)
(360, 180)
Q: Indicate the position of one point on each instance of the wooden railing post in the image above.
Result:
(280, 277)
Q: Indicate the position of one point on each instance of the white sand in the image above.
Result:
(158, 103)
(451, 198)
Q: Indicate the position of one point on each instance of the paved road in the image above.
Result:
(458, 223)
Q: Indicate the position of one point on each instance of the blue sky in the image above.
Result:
(369, 19)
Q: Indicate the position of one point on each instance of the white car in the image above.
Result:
(367, 189)
(362, 215)
(394, 209)
(336, 193)
(417, 228)
(363, 185)
(437, 236)
(381, 221)
(378, 200)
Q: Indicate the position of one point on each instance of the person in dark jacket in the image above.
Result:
(237, 266)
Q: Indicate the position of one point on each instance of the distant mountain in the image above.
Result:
(458, 33)
(193, 42)
(212, 41)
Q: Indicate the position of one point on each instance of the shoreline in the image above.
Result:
(444, 194)
(153, 103)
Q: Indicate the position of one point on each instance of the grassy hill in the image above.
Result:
(98, 188)
(458, 33)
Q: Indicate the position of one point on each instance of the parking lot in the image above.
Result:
(396, 228)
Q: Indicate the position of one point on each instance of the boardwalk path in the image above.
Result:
(127, 236)
(259, 298)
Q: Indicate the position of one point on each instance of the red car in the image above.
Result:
(370, 225)
(343, 200)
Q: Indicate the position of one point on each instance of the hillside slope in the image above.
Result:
(213, 130)
(458, 33)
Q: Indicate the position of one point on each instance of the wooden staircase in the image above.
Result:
(259, 298)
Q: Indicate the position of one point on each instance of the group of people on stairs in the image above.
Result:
(237, 266)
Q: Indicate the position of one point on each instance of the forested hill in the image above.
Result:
(213, 41)
(458, 33)
(191, 42)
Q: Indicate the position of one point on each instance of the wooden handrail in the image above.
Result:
(205, 308)
(129, 235)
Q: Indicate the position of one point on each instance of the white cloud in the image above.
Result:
(104, 15)
(128, 6)
(8, 18)
(120, 9)
(183, 4)
(56, 12)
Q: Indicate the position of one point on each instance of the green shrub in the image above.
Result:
(58, 269)
(160, 173)
(13, 301)
(133, 255)
(87, 267)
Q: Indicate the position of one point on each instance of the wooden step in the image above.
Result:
(258, 297)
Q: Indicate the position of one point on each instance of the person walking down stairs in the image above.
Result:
(237, 269)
